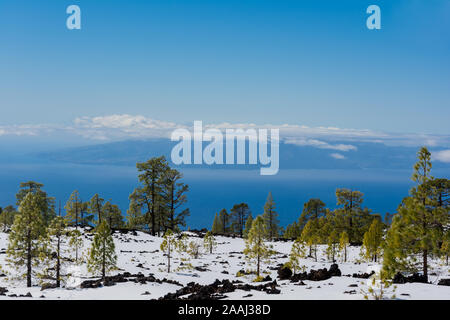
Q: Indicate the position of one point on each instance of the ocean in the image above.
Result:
(210, 190)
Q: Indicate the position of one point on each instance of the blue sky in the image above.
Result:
(309, 63)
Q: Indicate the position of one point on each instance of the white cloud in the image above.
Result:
(337, 156)
(124, 126)
(123, 121)
(320, 144)
(443, 156)
(26, 130)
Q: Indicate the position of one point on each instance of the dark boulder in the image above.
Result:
(318, 275)
(201, 269)
(216, 290)
(444, 282)
(334, 270)
(267, 278)
(3, 291)
(284, 273)
(47, 285)
(415, 277)
(299, 277)
(364, 275)
(90, 284)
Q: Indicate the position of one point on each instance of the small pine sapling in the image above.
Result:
(343, 244)
(298, 251)
(193, 249)
(76, 243)
(255, 247)
(372, 241)
(169, 244)
(54, 253)
(102, 255)
(379, 287)
(209, 242)
(333, 240)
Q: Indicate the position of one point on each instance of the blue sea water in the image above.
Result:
(211, 190)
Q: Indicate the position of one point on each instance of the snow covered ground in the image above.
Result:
(141, 253)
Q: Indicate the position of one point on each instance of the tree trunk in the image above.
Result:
(270, 225)
(58, 262)
(153, 208)
(172, 207)
(29, 259)
(224, 224)
(351, 220)
(257, 270)
(76, 212)
(104, 260)
(168, 259)
(425, 264)
(98, 211)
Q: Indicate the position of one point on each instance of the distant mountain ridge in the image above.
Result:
(368, 155)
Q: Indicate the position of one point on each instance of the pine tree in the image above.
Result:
(95, 206)
(248, 225)
(135, 218)
(102, 256)
(174, 196)
(86, 218)
(298, 251)
(169, 244)
(25, 245)
(313, 209)
(55, 232)
(255, 246)
(270, 217)
(148, 195)
(209, 242)
(417, 228)
(224, 221)
(333, 240)
(7, 216)
(373, 240)
(46, 204)
(310, 235)
(76, 243)
(216, 227)
(193, 249)
(112, 215)
(343, 244)
(239, 214)
(445, 247)
(73, 209)
(292, 231)
(162, 215)
(351, 215)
